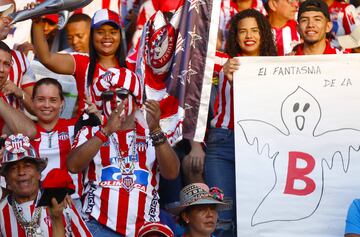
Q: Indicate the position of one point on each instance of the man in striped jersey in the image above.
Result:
(282, 19)
(18, 88)
(122, 159)
(19, 215)
(14, 120)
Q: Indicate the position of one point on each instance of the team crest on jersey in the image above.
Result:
(111, 176)
(162, 46)
(128, 182)
(63, 136)
(107, 76)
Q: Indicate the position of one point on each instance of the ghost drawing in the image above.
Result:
(300, 155)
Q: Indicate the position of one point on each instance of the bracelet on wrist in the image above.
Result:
(102, 135)
(155, 131)
(158, 138)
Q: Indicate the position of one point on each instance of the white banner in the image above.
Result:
(297, 133)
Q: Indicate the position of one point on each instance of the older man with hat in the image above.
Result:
(19, 213)
(313, 25)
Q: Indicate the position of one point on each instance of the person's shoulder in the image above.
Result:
(4, 202)
(67, 122)
(339, 4)
(292, 23)
(356, 202)
(80, 56)
(221, 54)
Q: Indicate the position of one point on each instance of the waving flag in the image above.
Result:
(175, 63)
(193, 64)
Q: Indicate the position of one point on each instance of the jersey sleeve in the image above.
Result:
(28, 78)
(76, 226)
(81, 61)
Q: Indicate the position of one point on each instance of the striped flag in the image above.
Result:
(193, 64)
(175, 64)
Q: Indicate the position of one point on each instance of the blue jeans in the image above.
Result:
(99, 230)
(220, 172)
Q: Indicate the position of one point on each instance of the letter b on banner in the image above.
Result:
(296, 173)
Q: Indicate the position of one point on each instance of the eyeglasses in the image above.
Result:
(121, 93)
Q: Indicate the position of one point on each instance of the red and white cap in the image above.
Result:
(155, 228)
(105, 16)
(117, 78)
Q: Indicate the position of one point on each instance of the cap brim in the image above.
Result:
(48, 193)
(100, 23)
(347, 42)
(41, 162)
(219, 205)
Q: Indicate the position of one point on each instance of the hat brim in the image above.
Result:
(58, 193)
(204, 201)
(100, 23)
(153, 231)
(40, 162)
(347, 42)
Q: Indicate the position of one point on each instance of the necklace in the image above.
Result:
(32, 227)
(127, 163)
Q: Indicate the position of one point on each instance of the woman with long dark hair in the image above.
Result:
(249, 35)
(105, 46)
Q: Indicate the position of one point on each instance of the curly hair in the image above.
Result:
(267, 43)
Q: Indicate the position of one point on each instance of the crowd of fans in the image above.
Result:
(109, 170)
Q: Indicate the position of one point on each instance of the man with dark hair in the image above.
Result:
(14, 120)
(314, 25)
(78, 32)
(18, 87)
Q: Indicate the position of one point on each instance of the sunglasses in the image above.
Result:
(120, 93)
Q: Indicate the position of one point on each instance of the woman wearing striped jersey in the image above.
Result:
(105, 47)
(54, 135)
(249, 35)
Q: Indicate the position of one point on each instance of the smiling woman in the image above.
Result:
(105, 51)
(54, 135)
(249, 35)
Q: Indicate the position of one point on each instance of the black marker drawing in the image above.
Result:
(299, 155)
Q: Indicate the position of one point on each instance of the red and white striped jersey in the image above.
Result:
(95, 5)
(121, 182)
(286, 37)
(228, 9)
(80, 74)
(344, 18)
(224, 111)
(56, 145)
(21, 75)
(10, 227)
